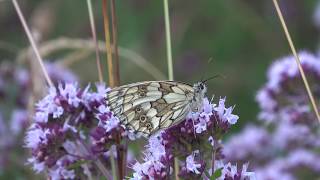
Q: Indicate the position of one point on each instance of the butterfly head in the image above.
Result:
(200, 90)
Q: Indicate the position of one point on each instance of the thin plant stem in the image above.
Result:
(213, 158)
(121, 148)
(293, 49)
(170, 65)
(32, 42)
(168, 39)
(108, 43)
(94, 36)
(121, 151)
(113, 166)
(115, 42)
(176, 168)
(114, 81)
(97, 161)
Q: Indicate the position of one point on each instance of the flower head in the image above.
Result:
(283, 96)
(191, 165)
(63, 122)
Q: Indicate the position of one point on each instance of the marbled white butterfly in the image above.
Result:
(149, 106)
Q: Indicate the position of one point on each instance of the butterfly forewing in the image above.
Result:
(149, 106)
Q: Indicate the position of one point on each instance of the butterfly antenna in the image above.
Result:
(213, 77)
(209, 62)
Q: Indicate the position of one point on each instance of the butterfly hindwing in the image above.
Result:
(149, 106)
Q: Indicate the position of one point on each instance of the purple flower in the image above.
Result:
(226, 113)
(211, 141)
(18, 121)
(298, 161)
(250, 143)
(283, 97)
(303, 160)
(36, 165)
(201, 126)
(288, 135)
(36, 136)
(16, 87)
(229, 171)
(191, 164)
(155, 165)
(69, 93)
(22, 77)
(182, 141)
(111, 122)
(61, 129)
(61, 171)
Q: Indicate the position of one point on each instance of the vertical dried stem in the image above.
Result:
(110, 66)
(108, 43)
(168, 39)
(94, 36)
(293, 49)
(114, 77)
(115, 43)
(32, 42)
(99, 164)
(121, 148)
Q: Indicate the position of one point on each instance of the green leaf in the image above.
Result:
(77, 164)
(207, 174)
(216, 174)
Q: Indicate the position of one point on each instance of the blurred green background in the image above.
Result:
(237, 39)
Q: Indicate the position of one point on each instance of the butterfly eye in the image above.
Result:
(201, 86)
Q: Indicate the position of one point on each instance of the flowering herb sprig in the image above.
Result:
(59, 135)
(283, 97)
(73, 128)
(16, 89)
(196, 144)
(287, 147)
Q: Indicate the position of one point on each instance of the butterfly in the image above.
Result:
(150, 106)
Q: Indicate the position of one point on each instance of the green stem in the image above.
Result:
(168, 39)
(113, 166)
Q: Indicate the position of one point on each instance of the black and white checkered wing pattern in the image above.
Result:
(149, 106)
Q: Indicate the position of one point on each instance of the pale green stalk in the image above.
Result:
(170, 65)
(168, 39)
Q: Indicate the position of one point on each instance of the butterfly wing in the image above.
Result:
(150, 106)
